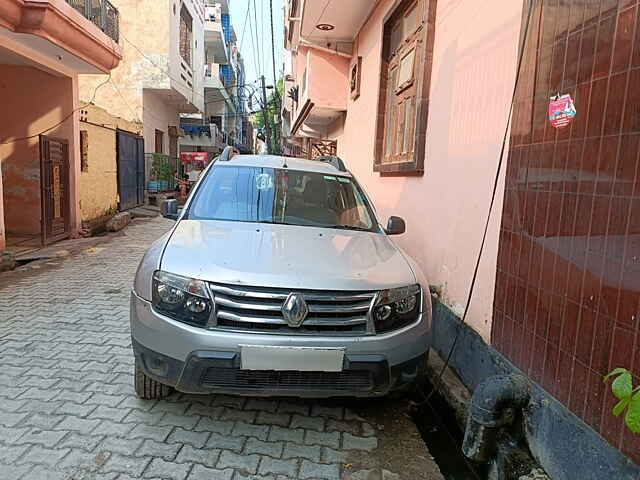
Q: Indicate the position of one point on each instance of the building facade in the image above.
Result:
(222, 121)
(44, 47)
(416, 97)
(161, 76)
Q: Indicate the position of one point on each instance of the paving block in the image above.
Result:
(327, 439)
(319, 471)
(245, 463)
(351, 442)
(276, 466)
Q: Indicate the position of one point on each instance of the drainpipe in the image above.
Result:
(308, 44)
(494, 405)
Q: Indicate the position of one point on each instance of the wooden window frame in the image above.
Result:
(185, 35)
(421, 78)
(159, 135)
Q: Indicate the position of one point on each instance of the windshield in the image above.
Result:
(268, 195)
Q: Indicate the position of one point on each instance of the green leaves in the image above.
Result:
(622, 388)
(632, 418)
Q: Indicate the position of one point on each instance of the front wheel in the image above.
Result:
(147, 388)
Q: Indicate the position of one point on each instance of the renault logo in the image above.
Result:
(295, 310)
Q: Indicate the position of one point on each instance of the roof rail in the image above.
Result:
(227, 154)
(334, 161)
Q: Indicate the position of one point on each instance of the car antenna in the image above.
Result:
(284, 163)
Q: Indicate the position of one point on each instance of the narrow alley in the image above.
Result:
(68, 410)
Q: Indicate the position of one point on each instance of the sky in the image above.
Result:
(256, 49)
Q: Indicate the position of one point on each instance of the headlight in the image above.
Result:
(397, 308)
(181, 298)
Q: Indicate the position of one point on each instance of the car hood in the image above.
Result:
(285, 256)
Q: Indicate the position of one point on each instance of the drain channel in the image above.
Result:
(440, 431)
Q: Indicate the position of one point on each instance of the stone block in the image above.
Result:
(118, 221)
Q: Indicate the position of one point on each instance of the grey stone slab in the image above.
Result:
(79, 441)
(184, 421)
(9, 453)
(273, 449)
(46, 456)
(204, 456)
(165, 451)
(225, 442)
(48, 438)
(248, 430)
(351, 442)
(123, 446)
(276, 466)
(330, 455)
(244, 463)
(204, 473)
(130, 465)
(328, 411)
(167, 470)
(310, 452)
(327, 439)
(319, 471)
(208, 425)
(78, 424)
(268, 418)
(246, 416)
(308, 423)
(116, 429)
(158, 434)
(286, 435)
(196, 439)
(261, 404)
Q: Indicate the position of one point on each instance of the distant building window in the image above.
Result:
(404, 88)
(159, 141)
(186, 35)
(84, 150)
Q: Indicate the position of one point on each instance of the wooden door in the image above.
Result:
(54, 181)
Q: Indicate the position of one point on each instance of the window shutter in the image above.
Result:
(404, 89)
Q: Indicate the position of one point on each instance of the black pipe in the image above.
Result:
(494, 405)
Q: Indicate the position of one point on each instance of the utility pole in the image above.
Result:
(278, 132)
(265, 115)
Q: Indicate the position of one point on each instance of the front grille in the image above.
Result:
(260, 309)
(288, 381)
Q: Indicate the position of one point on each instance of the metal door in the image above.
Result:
(54, 184)
(130, 162)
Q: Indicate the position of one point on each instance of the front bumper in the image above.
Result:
(195, 360)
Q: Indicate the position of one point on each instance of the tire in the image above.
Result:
(147, 388)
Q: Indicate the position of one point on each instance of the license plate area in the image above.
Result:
(302, 359)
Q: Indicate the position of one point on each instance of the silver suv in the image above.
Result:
(278, 280)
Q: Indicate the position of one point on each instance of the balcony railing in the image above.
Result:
(100, 12)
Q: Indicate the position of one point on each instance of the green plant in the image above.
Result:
(160, 168)
(629, 397)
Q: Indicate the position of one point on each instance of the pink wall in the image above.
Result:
(32, 101)
(471, 85)
(323, 65)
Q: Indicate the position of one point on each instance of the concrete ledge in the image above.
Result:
(565, 446)
(450, 387)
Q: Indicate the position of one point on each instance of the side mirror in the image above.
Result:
(395, 226)
(169, 209)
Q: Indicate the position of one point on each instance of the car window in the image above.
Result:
(268, 195)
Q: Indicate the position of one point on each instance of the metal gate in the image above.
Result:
(130, 161)
(54, 184)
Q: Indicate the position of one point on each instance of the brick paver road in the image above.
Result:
(68, 409)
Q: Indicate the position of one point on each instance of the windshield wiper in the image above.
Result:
(349, 227)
